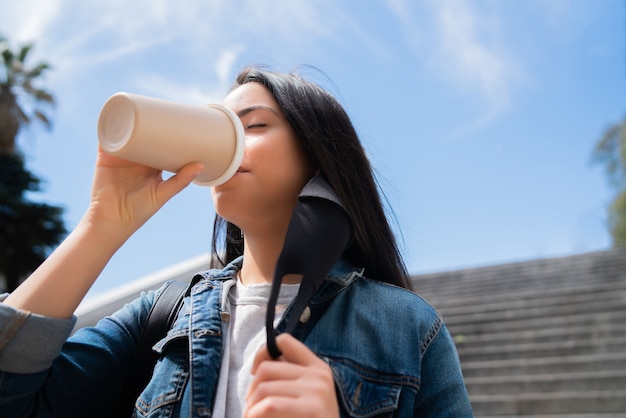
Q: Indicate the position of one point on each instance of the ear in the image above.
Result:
(319, 231)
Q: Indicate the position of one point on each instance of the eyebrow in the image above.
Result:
(241, 113)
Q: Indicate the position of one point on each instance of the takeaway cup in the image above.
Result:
(168, 135)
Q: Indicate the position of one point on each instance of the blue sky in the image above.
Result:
(479, 116)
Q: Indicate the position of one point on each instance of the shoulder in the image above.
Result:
(374, 309)
(392, 300)
(359, 292)
(355, 282)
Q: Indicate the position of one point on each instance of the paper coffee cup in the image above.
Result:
(168, 135)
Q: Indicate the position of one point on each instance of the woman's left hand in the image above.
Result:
(298, 384)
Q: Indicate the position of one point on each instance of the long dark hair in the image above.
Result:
(332, 143)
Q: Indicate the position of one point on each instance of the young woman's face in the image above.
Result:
(274, 167)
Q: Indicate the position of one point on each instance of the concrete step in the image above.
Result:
(543, 338)
(475, 283)
(459, 326)
(528, 298)
(585, 402)
(560, 333)
(538, 350)
(563, 309)
(559, 364)
(440, 293)
(572, 271)
(553, 382)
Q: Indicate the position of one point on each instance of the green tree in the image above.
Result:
(611, 152)
(28, 230)
(20, 101)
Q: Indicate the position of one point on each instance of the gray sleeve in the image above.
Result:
(30, 342)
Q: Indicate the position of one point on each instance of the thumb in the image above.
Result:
(179, 181)
(293, 351)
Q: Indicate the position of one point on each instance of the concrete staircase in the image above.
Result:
(542, 338)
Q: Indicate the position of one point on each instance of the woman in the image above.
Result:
(366, 347)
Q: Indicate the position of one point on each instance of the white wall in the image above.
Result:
(97, 307)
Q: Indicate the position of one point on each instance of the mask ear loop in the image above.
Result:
(319, 231)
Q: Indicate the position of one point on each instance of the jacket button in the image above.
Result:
(203, 412)
(306, 315)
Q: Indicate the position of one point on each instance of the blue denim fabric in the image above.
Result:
(389, 351)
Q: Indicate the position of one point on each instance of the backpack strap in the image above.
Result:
(160, 318)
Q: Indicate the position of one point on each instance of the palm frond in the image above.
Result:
(23, 102)
(22, 116)
(42, 118)
(42, 95)
(37, 70)
(7, 57)
(24, 52)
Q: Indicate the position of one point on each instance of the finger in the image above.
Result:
(262, 355)
(273, 388)
(293, 351)
(289, 367)
(179, 181)
(273, 371)
(275, 407)
(269, 371)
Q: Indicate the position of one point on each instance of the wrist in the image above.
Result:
(110, 232)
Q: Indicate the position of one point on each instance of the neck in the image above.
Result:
(260, 258)
(261, 253)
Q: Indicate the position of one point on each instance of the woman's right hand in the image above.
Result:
(125, 194)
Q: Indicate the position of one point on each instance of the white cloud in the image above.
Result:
(225, 62)
(27, 20)
(211, 90)
(157, 85)
(191, 92)
(464, 46)
(79, 37)
(567, 20)
(82, 34)
(401, 9)
(471, 52)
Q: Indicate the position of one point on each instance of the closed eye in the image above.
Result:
(256, 125)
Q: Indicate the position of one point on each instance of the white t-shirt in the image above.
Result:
(244, 336)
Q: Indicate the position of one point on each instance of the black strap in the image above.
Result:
(319, 231)
(159, 320)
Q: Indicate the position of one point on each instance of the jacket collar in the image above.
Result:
(342, 274)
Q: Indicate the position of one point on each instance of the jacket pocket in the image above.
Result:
(365, 393)
(169, 379)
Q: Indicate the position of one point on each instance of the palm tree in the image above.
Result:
(20, 101)
(28, 230)
(611, 151)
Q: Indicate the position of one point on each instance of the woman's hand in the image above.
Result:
(126, 195)
(298, 384)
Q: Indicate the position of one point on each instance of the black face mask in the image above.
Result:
(319, 231)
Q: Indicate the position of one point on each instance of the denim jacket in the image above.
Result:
(390, 354)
